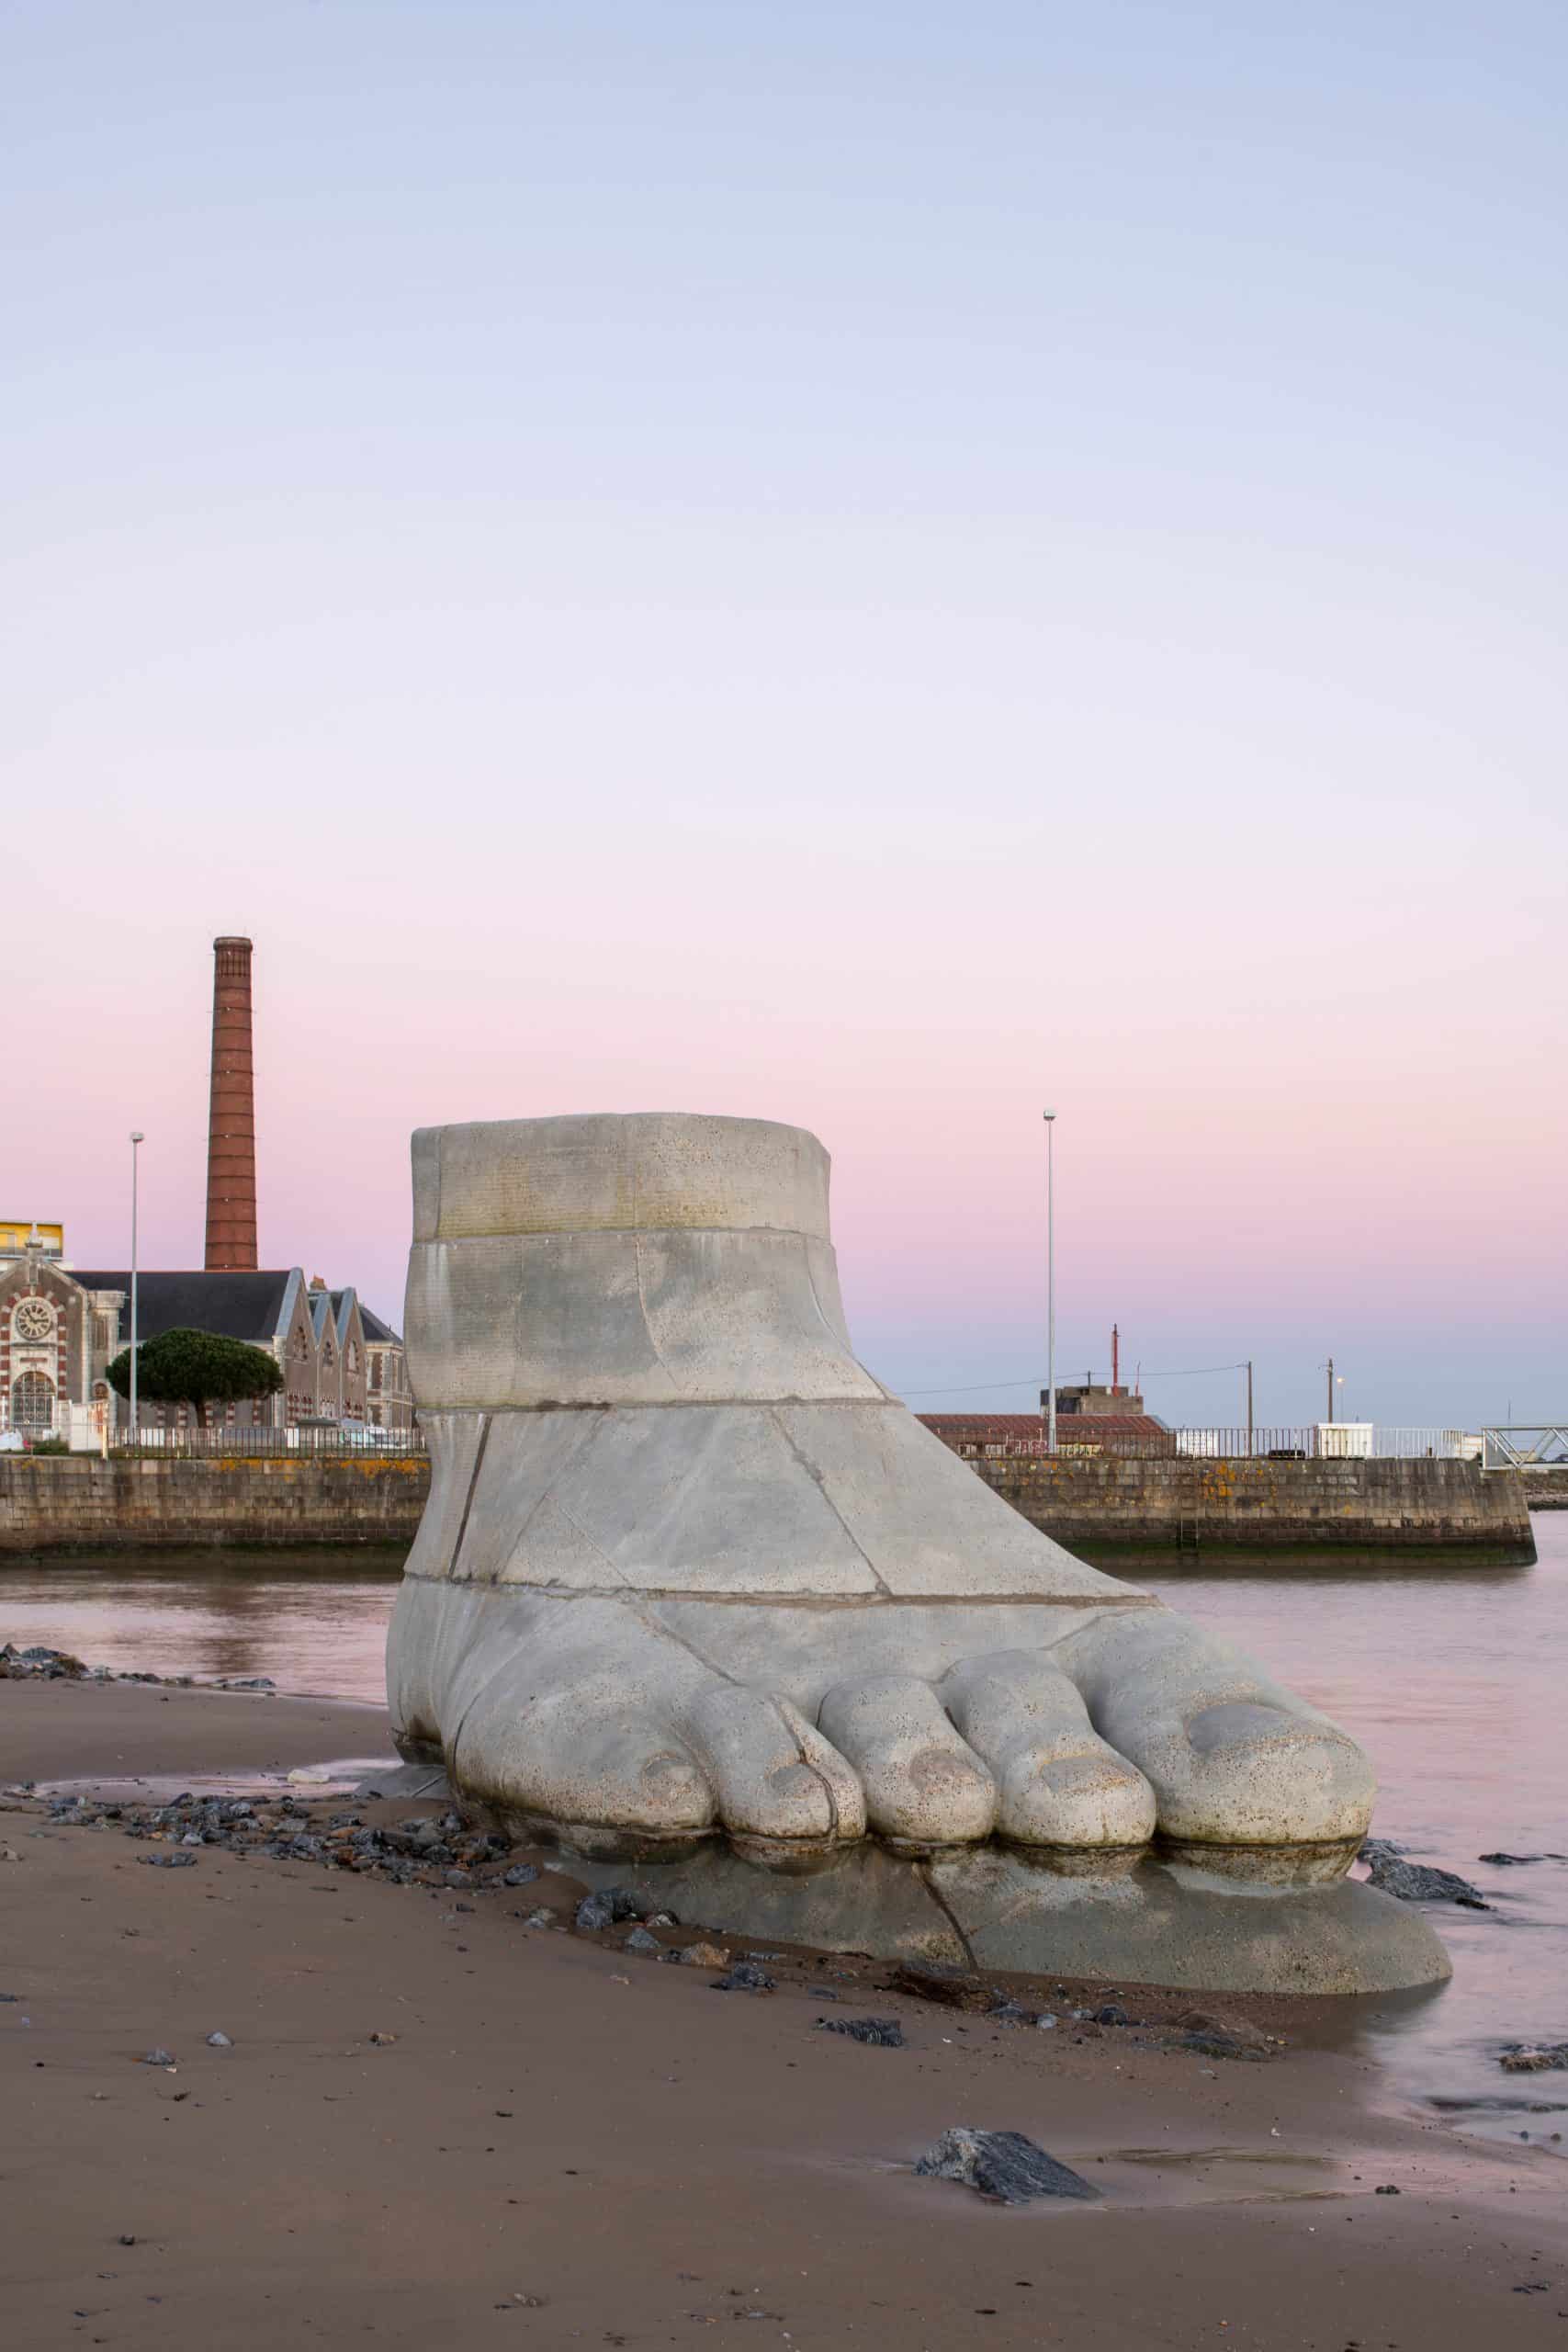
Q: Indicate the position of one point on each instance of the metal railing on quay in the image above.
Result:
(1315, 1442)
(295, 1444)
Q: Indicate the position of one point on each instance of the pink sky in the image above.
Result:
(850, 568)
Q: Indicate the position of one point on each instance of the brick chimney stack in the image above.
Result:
(232, 1127)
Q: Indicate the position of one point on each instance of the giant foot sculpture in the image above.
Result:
(693, 1594)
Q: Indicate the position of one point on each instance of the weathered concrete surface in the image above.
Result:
(1154, 1924)
(79, 1502)
(691, 1590)
(1120, 1512)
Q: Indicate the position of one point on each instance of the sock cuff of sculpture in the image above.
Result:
(649, 1171)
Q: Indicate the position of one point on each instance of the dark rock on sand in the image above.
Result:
(883, 2033)
(1534, 2058)
(954, 1987)
(521, 1875)
(1415, 1882)
(603, 1909)
(1517, 1862)
(1002, 2165)
(647, 1947)
(1216, 2037)
(745, 1976)
(180, 1861)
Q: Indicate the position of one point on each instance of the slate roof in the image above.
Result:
(238, 1305)
(378, 1333)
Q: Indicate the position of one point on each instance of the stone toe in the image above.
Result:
(1060, 1784)
(783, 1791)
(606, 1778)
(1234, 1761)
(925, 1787)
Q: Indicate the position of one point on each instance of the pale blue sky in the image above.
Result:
(872, 565)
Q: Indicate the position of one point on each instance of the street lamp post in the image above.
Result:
(137, 1138)
(1050, 1117)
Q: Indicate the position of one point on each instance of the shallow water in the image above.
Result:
(1454, 1680)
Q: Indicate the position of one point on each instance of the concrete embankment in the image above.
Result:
(1546, 1489)
(1116, 1513)
(81, 1503)
(1127, 1513)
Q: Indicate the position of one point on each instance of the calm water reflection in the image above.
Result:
(1454, 1680)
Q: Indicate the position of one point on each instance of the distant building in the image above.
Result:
(1088, 1399)
(977, 1436)
(61, 1329)
(16, 1237)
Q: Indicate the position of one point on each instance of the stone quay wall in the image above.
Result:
(1114, 1512)
(1546, 1489)
(1130, 1512)
(82, 1503)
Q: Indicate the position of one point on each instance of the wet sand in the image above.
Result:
(564, 2144)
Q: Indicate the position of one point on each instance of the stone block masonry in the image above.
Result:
(1132, 1514)
(1123, 1514)
(81, 1503)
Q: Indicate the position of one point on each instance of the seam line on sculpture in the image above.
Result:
(642, 1310)
(681, 1641)
(839, 1341)
(823, 1782)
(882, 1599)
(626, 1585)
(548, 1492)
(879, 1403)
(469, 1498)
(534, 1232)
(816, 1477)
(945, 1907)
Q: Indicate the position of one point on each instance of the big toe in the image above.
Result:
(1234, 1759)
(604, 1776)
(1255, 1773)
(925, 1787)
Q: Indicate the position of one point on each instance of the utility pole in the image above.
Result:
(1331, 1388)
(137, 1139)
(1115, 1357)
(1249, 1409)
(1050, 1117)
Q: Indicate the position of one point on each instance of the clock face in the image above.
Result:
(34, 1320)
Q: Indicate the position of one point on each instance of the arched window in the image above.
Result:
(32, 1402)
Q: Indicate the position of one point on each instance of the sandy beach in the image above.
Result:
(557, 2143)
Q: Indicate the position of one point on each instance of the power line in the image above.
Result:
(1028, 1380)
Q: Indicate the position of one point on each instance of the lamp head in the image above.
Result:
(137, 1136)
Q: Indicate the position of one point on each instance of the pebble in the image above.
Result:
(521, 1875)
(745, 1976)
(640, 1940)
(883, 2033)
(158, 2058)
(219, 2042)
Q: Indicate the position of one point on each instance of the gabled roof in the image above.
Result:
(344, 1305)
(238, 1305)
(378, 1333)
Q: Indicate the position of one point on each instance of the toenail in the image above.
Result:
(1234, 1720)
